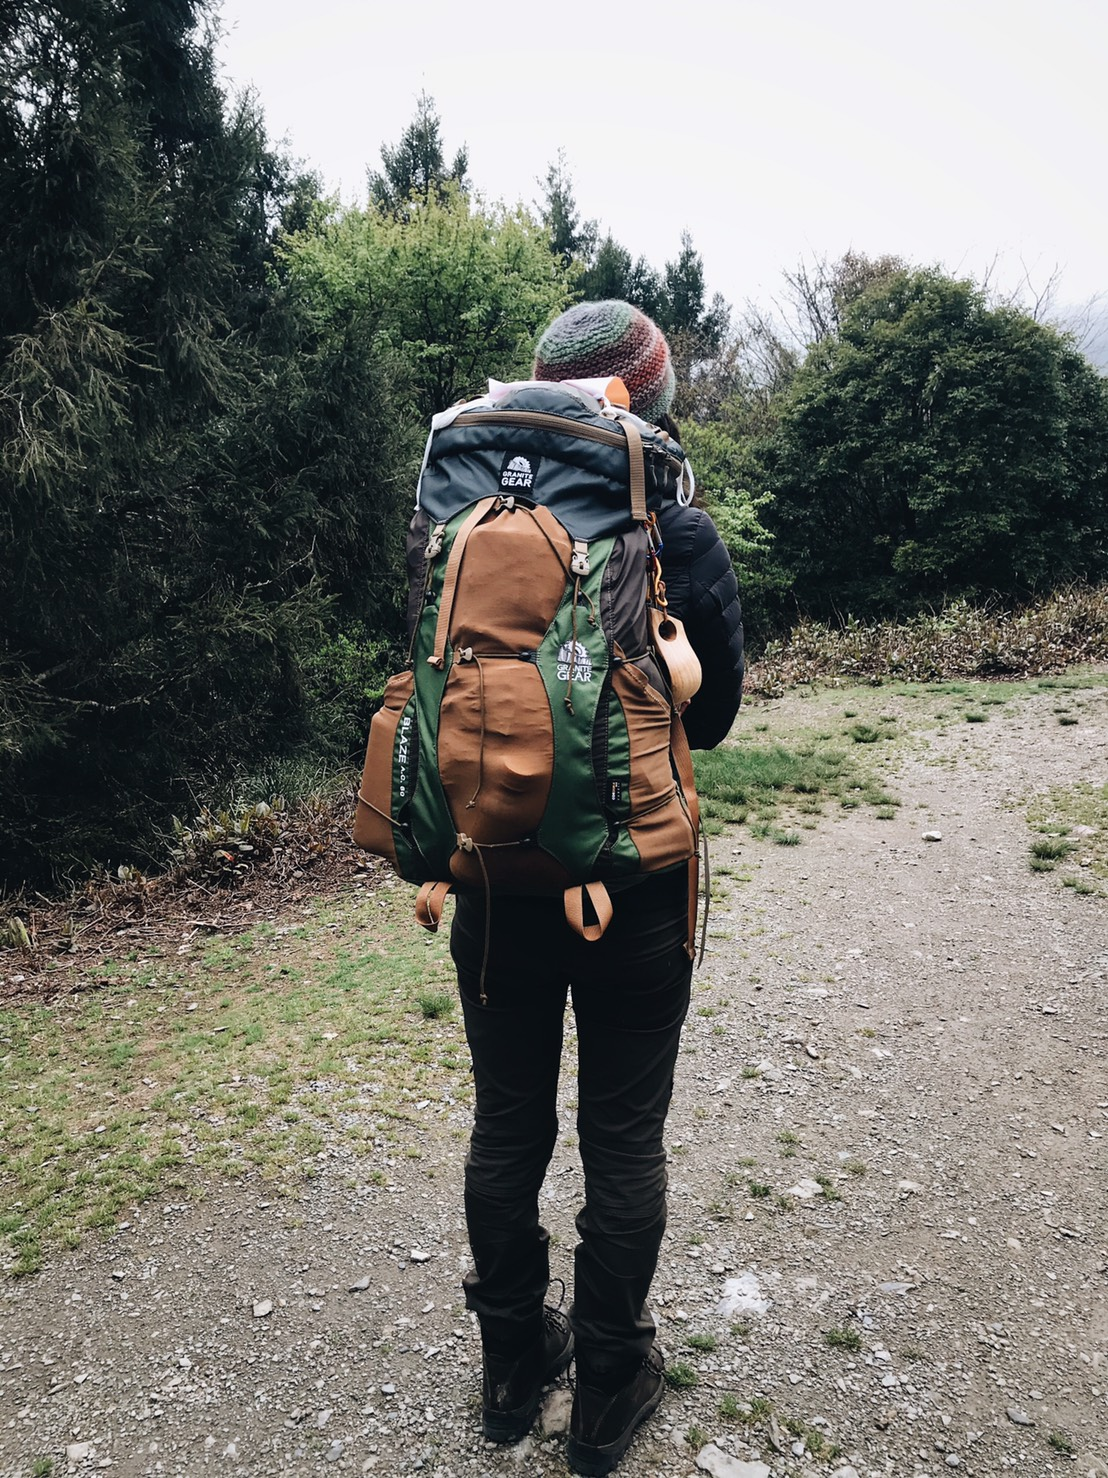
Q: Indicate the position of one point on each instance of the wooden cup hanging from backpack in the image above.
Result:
(667, 633)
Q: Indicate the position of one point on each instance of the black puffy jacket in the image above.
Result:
(701, 589)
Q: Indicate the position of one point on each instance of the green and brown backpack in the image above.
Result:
(533, 745)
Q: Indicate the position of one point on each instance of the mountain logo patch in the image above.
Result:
(517, 474)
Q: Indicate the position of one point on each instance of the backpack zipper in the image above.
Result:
(548, 422)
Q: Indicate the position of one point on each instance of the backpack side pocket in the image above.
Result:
(390, 768)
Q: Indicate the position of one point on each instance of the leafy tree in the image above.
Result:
(415, 168)
(934, 446)
(819, 296)
(731, 485)
(812, 307)
(455, 292)
(571, 238)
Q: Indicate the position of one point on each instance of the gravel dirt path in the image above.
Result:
(890, 1123)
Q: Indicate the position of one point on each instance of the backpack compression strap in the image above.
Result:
(450, 580)
(682, 759)
(575, 910)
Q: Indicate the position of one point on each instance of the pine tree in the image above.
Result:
(168, 554)
(415, 168)
(571, 238)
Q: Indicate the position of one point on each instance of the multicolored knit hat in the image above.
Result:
(610, 338)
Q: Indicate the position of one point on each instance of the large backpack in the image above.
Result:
(533, 744)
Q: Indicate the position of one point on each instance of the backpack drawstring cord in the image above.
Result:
(707, 897)
(467, 844)
(488, 928)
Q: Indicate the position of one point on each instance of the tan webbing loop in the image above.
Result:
(450, 580)
(429, 905)
(638, 469)
(575, 910)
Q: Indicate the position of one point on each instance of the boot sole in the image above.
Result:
(513, 1426)
(594, 1462)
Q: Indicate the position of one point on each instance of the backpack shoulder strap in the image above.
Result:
(637, 459)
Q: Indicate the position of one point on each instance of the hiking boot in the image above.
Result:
(512, 1385)
(604, 1421)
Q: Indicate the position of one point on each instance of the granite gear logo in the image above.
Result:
(517, 474)
(574, 663)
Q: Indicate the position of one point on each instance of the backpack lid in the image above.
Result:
(572, 443)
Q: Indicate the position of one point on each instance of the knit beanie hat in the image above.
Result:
(593, 340)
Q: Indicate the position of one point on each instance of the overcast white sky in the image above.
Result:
(949, 131)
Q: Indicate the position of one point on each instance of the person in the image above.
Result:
(630, 994)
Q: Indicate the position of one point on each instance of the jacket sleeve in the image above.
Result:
(702, 590)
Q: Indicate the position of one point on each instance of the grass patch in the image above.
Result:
(435, 1004)
(864, 734)
(1061, 1443)
(1050, 850)
(705, 1343)
(749, 782)
(680, 1376)
(1072, 823)
(163, 1077)
(843, 1339)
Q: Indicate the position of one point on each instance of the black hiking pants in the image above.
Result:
(630, 994)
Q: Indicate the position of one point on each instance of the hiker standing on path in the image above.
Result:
(630, 995)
